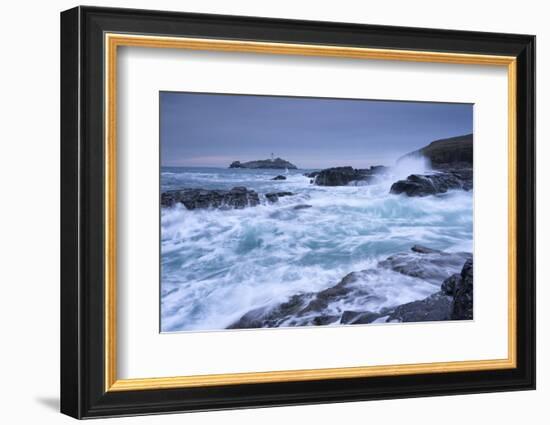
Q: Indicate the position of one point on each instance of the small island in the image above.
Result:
(273, 163)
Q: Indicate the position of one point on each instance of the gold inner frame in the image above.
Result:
(113, 41)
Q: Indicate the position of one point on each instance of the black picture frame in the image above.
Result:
(83, 392)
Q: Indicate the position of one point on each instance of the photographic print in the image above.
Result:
(279, 211)
(283, 183)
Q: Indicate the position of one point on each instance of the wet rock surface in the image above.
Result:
(424, 250)
(463, 294)
(266, 317)
(449, 285)
(434, 308)
(425, 263)
(274, 196)
(435, 183)
(358, 317)
(452, 160)
(452, 299)
(237, 197)
(343, 176)
(307, 308)
(453, 302)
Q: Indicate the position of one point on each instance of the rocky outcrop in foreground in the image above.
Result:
(277, 164)
(238, 197)
(435, 183)
(434, 308)
(343, 176)
(461, 288)
(425, 263)
(453, 301)
(454, 152)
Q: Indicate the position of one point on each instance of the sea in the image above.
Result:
(218, 264)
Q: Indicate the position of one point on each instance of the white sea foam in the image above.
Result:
(219, 264)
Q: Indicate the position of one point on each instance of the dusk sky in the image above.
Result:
(210, 130)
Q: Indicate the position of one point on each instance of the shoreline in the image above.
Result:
(283, 209)
(270, 247)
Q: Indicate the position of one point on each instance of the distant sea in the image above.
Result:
(216, 265)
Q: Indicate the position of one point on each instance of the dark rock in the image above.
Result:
(277, 163)
(424, 250)
(251, 320)
(466, 175)
(238, 197)
(279, 177)
(454, 152)
(301, 207)
(434, 308)
(322, 299)
(449, 285)
(453, 158)
(312, 174)
(348, 316)
(358, 317)
(348, 288)
(325, 320)
(268, 317)
(453, 302)
(432, 184)
(343, 176)
(463, 298)
(308, 308)
(460, 286)
(339, 176)
(324, 307)
(434, 267)
(378, 169)
(274, 196)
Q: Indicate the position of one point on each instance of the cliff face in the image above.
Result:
(277, 164)
(455, 152)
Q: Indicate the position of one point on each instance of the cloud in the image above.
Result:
(212, 130)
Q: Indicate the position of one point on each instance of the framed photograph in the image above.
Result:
(261, 212)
